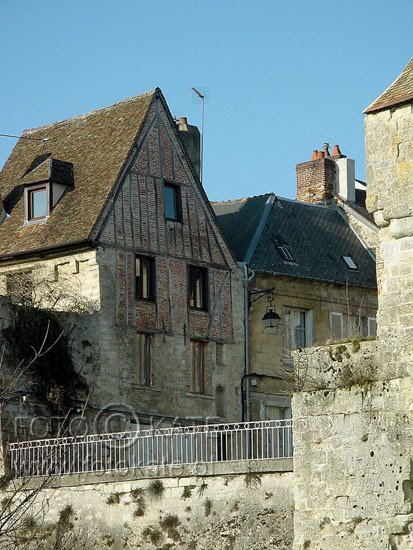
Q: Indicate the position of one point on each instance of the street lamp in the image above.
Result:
(271, 319)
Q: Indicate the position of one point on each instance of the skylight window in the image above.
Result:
(285, 254)
(351, 264)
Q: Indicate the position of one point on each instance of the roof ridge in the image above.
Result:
(91, 113)
(229, 201)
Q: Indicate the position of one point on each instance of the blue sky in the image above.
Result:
(281, 77)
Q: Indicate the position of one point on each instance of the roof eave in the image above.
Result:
(47, 251)
(312, 278)
(385, 106)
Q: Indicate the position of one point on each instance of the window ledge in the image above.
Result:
(201, 395)
(35, 222)
(146, 388)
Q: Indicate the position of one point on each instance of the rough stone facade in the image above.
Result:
(389, 152)
(219, 506)
(353, 422)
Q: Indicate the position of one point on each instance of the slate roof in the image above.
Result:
(399, 92)
(318, 236)
(97, 144)
(249, 212)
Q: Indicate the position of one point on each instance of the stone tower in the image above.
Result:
(353, 419)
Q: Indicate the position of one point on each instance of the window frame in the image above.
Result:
(308, 330)
(28, 202)
(370, 322)
(149, 261)
(198, 386)
(177, 200)
(144, 359)
(340, 315)
(204, 289)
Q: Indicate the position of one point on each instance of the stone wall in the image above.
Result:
(222, 506)
(352, 465)
(353, 419)
(389, 156)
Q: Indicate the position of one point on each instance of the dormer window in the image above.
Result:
(37, 203)
(45, 182)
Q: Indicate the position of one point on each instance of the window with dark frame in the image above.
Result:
(145, 278)
(37, 203)
(198, 366)
(144, 359)
(198, 287)
(172, 202)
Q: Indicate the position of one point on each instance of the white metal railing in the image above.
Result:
(177, 445)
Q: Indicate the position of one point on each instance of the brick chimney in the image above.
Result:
(316, 177)
(326, 175)
(191, 139)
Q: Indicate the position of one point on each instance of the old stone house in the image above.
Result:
(313, 259)
(110, 205)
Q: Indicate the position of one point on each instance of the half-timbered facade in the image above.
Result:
(110, 203)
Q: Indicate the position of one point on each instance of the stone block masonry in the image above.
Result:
(352, 451)
(233, 505)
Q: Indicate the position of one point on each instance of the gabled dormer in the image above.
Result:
(45, 181)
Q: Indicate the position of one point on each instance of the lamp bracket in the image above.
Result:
(269, 292)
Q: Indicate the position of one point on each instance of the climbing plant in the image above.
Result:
(37, 338)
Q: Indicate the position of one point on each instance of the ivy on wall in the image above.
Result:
(38, 339)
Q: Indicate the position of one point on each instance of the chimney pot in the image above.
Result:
(314, 155)
(336, 151)
(320, 154)
(326, 151)
(183, 124)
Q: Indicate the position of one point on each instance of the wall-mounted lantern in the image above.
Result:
(271, 319)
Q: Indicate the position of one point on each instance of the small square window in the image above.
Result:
(198, 366)
(351, 264)
(172, 202)
(144, 359)
(145, 278)
(198, 287)
(37, 203)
